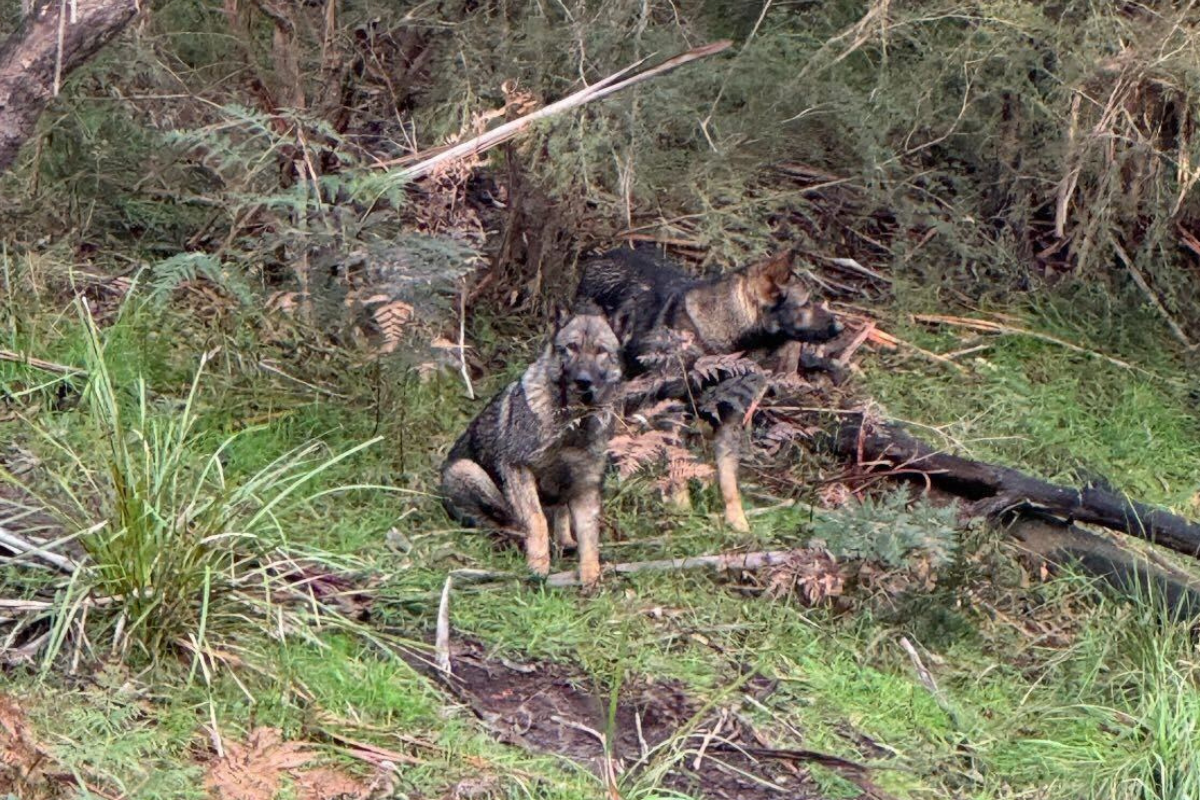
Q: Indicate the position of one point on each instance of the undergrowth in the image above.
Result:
(974, 151)
(175, 554)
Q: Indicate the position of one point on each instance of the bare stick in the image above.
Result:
(859, 339)
(603, 88)
(442, 641)
(1140, 280)
(721, 562)
(988, 326)
(37, 363)
(927, 680)
(462, 341)
(24, 546)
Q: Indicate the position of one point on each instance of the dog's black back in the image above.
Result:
(643, 294)
(638, 290)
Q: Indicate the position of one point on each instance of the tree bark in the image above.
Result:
(49, 44)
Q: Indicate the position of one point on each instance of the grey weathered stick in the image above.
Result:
(721, 562)
(613, 83)
(24, 546)
(1152, 296)
(924, 675)
(442, 641)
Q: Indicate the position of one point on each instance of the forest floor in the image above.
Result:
(659, 685)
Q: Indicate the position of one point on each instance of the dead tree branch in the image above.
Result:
(719, 563)
(613, 83)
(998, 490)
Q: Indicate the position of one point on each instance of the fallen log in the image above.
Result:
(997, 491)
(1059, 545)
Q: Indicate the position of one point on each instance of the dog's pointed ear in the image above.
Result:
(560, 318)
(767, 278)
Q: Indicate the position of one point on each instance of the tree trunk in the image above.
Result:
(49, 44)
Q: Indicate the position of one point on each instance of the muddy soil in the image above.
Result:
(656, 727)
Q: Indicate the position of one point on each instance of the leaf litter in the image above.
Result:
(24, 765)
(256, 769)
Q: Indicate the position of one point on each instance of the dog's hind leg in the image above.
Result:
(680, 497)
(561, 518)
(472, 498)
(726, 444)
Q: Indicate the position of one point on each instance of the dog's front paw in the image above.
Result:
(735, 518)
(589, 574)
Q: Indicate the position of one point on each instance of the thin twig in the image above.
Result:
(892, 341)
(37, 363)
(25, 547)
(462, 342)
(1140, 280)
(267, 366)
(987, 326)
(859, 339)
(927, 680)
(603, 88)
(442, 642)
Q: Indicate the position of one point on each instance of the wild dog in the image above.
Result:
(756, 308)
(539, 448)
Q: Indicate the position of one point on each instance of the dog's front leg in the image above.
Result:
(585, 519)
(520, 488)
(562, 526)
(726, 445)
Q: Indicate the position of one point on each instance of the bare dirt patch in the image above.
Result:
(552, 708)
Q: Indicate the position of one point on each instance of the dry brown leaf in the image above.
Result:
(283, 302)
(22, 762)
(479, 787)
(834, 495)
(682, 467)
(812, 575)
(391, 317)
(105, 296)
(253, 771)
(725, 365)
(329, 784)
(632, 452)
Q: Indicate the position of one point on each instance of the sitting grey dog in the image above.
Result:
(539, 448)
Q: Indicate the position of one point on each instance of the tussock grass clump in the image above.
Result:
(1136, 676)
(176, 556)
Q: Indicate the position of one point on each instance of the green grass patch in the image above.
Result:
(1068, 416)
(1104, 715)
